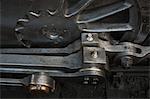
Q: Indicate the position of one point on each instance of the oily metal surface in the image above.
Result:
(50, 23)
(75, 42)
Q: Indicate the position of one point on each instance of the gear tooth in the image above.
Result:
(23, 20)
(26, 43)
(34, 14)
(19, 36)
(20, 24)
(51, 12)
(17, 29)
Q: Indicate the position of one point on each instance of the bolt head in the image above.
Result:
(85, 82)
(90, 37)
(94, 82)
(86, 78)
(94, 54)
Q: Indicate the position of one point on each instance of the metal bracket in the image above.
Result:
(94, 55)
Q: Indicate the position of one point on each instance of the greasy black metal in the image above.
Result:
(48, 31)
(90, 48)
(143, 33)
(71, 48)
(135, 22)
(54, 73)
(35, 24)
(79, 6)
(104, 27)
(73, 61)
(97, 14)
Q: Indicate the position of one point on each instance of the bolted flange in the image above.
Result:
(98, 75)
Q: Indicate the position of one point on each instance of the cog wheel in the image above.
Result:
(62, 22)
